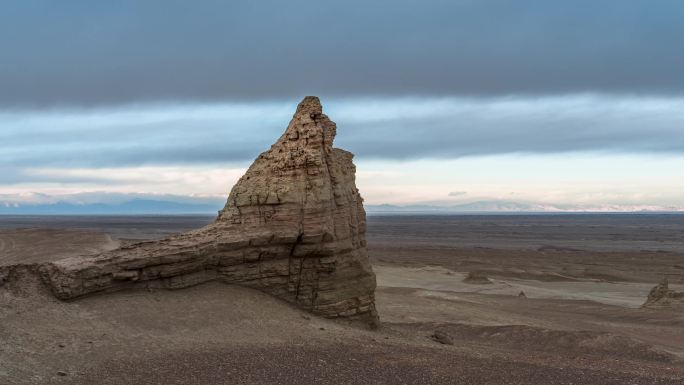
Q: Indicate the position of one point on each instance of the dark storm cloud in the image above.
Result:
(88, 52)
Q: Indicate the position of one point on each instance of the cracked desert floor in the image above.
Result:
(580, 321)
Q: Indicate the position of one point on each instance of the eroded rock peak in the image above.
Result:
(293, 226)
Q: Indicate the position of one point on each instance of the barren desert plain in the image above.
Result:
(556, 299)
(483, 192)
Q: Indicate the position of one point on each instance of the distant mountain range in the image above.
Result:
(180, 206)
(496, 206)
(135, 206)
(480, 206)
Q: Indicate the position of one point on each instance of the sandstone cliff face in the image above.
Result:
(293, 226)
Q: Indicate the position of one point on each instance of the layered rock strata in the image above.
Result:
(293, 226)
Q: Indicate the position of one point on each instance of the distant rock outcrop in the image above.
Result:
(662, 296)
(293, 226)
(477, 278)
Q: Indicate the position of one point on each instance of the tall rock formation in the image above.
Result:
(293, 226)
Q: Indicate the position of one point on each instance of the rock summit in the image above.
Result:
(293, 226)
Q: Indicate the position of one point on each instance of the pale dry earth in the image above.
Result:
(580, 322)
(39, 245)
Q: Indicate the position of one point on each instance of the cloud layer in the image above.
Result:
(389, 129)
(450, 102)
(85, 52)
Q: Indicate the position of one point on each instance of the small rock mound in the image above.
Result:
(22, 281)
(662, 296)
(477, 278)
(442, 337)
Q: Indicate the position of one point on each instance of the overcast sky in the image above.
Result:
(88, 52)
(160, 97)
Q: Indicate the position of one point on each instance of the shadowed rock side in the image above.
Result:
(293, 226)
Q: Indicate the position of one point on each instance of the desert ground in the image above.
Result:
(555, 299)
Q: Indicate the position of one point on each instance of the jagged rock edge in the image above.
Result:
(198, 260)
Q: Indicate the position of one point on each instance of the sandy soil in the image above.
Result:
(220, 334)
(40, 245)
(614, 248)
(574, 329)
(439, 279)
